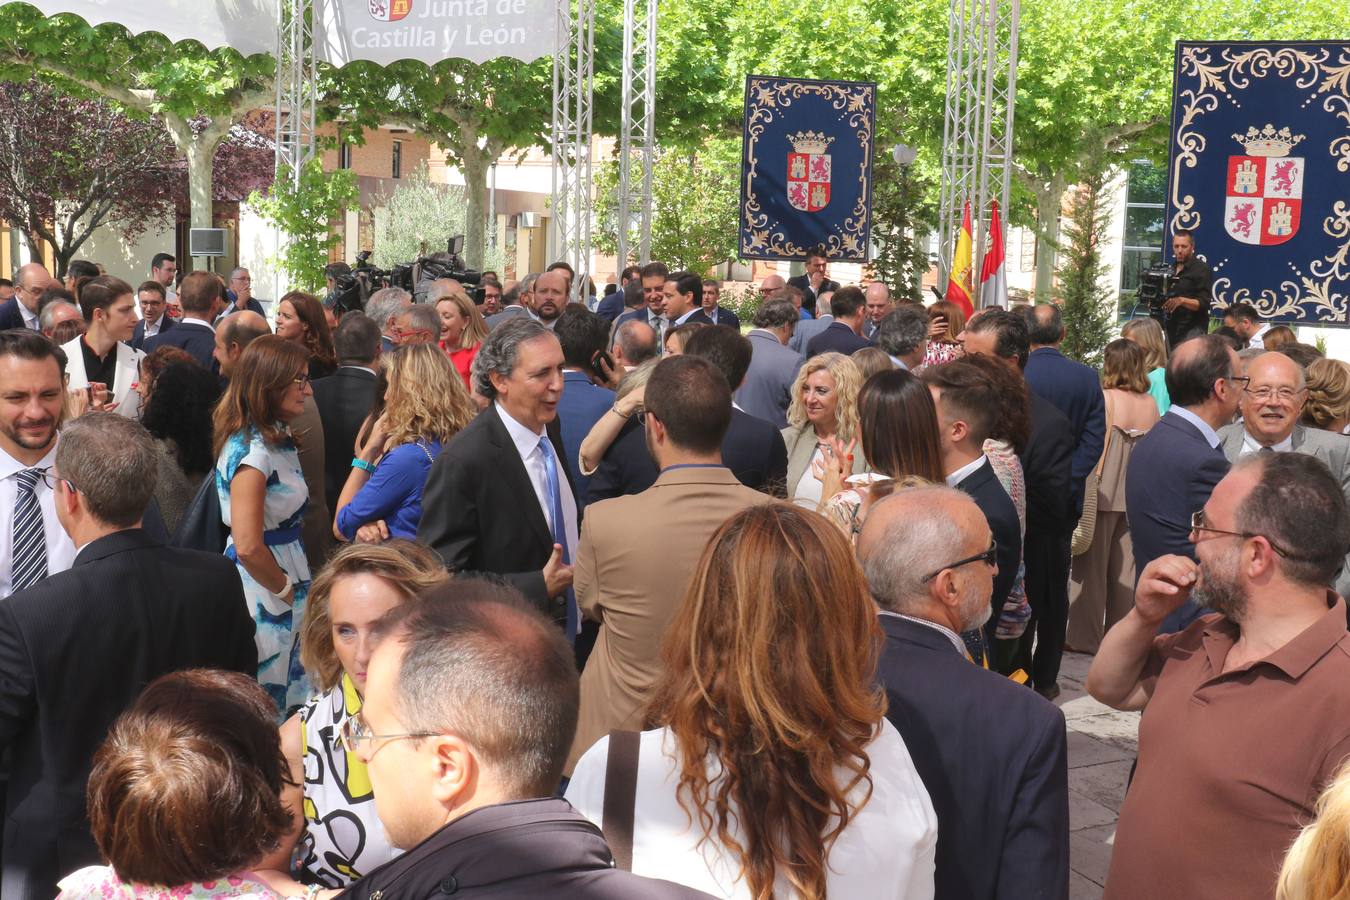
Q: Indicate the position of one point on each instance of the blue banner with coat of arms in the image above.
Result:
(1260, 172)
(806, 168)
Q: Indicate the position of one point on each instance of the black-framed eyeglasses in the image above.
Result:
(1198, 524)
(988, 557)
(1240, 380)
(355, 734)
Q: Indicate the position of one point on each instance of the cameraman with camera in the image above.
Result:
(1189, 293)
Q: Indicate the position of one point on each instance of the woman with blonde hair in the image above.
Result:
(1328, 404)
(822, 424)
(1317, 866)
(943, 345)
(262, 500)
(1148, 334)
(463, 331)
(357, 587)
(1277, 336)
(771, 770)
(425, 405)
(1101, 586)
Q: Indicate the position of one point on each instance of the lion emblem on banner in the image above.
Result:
(1265, 187)
(808, 181)
(390, 10)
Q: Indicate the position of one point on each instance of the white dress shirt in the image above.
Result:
(30, 319)
(968, 469)
(60, 548)
(202, 322)
(527, 445)
(1210, 434)
(1251, 445)
(946, 632)
(685, 318)
(152, 328)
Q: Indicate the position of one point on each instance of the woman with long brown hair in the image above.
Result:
(771, 770)
(300, 319)
(948, 321)
(262, 500)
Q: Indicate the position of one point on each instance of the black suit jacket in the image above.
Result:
(480, 512)
(985, 489)
(724, 317)
(1047, 465)
(993, 756)
(344, 400)
(1076, 391)
(75, 651)
(804, 282)
(753, 450)
(198, 340)
(837, 338)
(10, 315)
(138, 336)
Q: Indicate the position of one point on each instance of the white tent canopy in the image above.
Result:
(249, 26)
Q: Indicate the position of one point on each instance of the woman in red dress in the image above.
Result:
(462, 332)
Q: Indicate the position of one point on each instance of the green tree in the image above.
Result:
(198, 94)
(303, 213)
(1087, 300)
(904, 214)
(418, 217)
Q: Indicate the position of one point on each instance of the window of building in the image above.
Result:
(344, 155)
(1144, 226)
(398, 159)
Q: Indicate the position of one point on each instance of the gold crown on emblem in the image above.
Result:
(1268, 141)
(809, 142)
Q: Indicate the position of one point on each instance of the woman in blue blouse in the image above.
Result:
(426, 405)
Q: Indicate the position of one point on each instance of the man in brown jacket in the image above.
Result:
(637, 553)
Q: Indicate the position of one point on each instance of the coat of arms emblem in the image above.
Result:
(1265, 188)
(390, 10)
(808, 171)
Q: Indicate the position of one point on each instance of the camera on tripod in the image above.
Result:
(1155, 287)
(351, 291)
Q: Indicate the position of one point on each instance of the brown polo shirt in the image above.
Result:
(1230, 765)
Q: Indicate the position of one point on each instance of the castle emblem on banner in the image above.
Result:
(1265, 187)
(808, 171)
(389, 10)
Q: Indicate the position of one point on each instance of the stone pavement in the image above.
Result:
(1102, 746)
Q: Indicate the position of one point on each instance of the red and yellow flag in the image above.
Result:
(959, 289)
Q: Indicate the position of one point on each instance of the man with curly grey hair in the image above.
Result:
(498, 498)
(903, 334)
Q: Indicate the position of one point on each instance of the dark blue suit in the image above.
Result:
(198, 340)
(138, 336)
(611, 307)
(837, 338)
(10, 315)
(724, 317)
(1171, 474)
(581, 406)
(993, 756)
(253, 305)
(1076, 391)
(984, 488)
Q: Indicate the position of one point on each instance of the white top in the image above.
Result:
(887, 850)
(1209, 433)
(186, 319)
(60, 548)
(1251, 445)
(527, 445)
(30, 319)
(962, 473)
(807, 493)
(152, 328)
(1257, 340)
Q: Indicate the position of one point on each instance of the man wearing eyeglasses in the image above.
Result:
(1271, 406)
(1174, 467)
(21, 310)
(1246, 713)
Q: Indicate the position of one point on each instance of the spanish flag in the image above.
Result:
(959, 289)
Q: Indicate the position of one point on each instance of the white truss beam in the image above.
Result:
(637, 144)
(573, 73)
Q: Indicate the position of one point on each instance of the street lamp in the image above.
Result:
(904, 155)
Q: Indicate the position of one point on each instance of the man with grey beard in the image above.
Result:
(1246, 713)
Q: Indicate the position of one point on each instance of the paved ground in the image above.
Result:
(1101, 748)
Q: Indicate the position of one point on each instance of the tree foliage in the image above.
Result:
(304, 214)
(1087, 300)
(419, 217)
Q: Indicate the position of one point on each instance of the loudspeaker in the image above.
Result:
(206, 241)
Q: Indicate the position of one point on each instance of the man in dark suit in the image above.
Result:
(498, 498)
(1175, 467)
(879, 305)
(1075, 389)
(654, 275)
(753, 449)
(715, 313)
(992, 754)
(21, 310)
(613, 306)
(767, 389)
(967, 404)
(200, 296)
(815, 281)
(844, 334)
(154, 316)
(1047, 466)
(684, 298)
(345, 398)
(582, 334)
(239, 296)
(77, 647)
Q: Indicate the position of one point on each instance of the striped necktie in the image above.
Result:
(29, 554)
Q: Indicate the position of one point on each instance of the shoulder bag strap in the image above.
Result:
(621, 769)
(1106, 444)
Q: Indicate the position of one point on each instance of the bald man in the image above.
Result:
(21, 310)
(235, 332)
(992, 754)
(877, 299)
(1271, 407)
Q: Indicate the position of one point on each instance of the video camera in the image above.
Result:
(1155, 288)
(350, 292)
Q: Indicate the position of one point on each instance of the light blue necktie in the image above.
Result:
(559, 527)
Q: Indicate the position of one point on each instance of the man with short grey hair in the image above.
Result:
(767, 390)
(239, 295)
(518, 301)
(418, 324)
(992, 754)
(77, 647)
(55, 313)
(903, 334)
(634, 344)
(877, 300)
(383, 306)
(236, 331)
(507, 455)
(441, 288)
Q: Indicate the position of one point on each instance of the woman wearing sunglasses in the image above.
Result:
(336, 837)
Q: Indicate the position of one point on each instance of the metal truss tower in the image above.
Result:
(637, 143)
(977, 131)
(573, 71)
(297, 88)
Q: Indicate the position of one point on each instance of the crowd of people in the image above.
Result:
(499, 593)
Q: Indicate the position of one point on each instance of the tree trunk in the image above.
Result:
(475, 162)
(200, 150)
(1049, 200)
